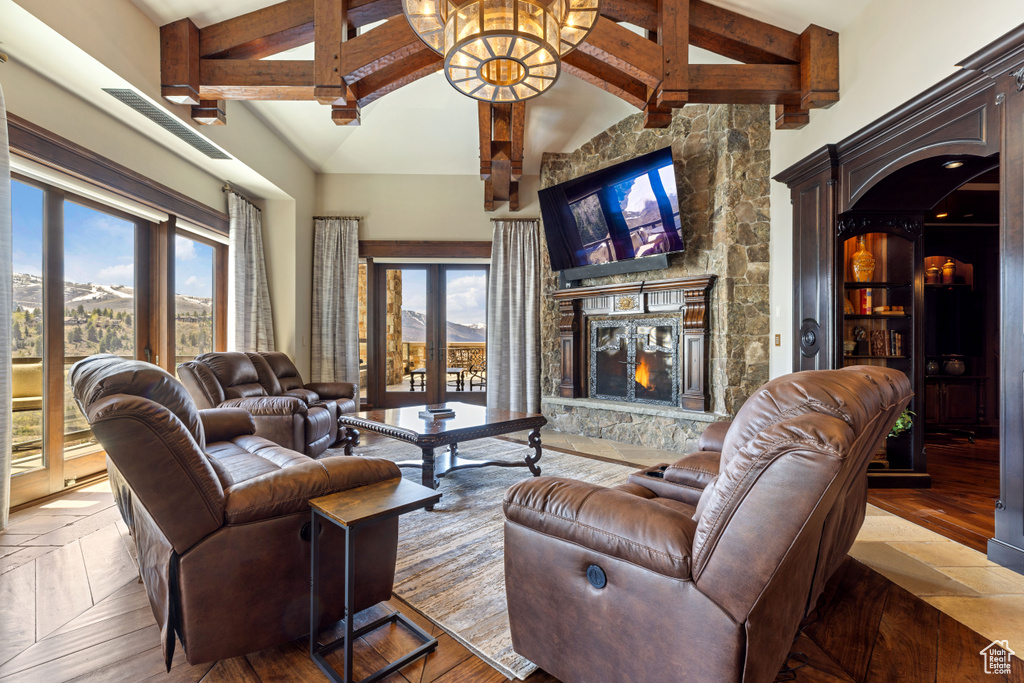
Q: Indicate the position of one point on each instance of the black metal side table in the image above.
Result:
(349, 509)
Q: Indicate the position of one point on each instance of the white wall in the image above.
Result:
(418, 207)
(893, 51)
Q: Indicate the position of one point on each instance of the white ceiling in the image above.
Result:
(429, 128)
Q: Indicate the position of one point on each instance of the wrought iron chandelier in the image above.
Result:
(502, 50)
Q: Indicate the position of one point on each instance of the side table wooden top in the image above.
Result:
(375, 501)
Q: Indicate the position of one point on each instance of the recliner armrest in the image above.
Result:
(329, 390)
(225, 424)
(713, 437)
(607, 521)
(265, 406)
(289, 489)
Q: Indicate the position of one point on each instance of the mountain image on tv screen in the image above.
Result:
(628, 211)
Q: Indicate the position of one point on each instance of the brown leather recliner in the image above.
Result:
(221, 517)
(628, 583)
(280, 377)
(230, 380)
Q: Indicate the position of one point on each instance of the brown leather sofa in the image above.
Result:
(280, 377)
(221, 518)
(231, 380)
(635, 583)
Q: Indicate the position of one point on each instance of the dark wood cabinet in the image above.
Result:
(954, 401)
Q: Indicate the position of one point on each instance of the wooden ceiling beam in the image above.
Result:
(819, 67)
(735, 36)
(674, 38)
(598, 73)
(620, 48)
(179, 62)
(502, 130)
(397, 74)
(261, 33)
(791, 117)
(642, 13)
(210, 113)
(363, 12)
(331, 31)
(745, 83)
(378, 48)
(248, 79)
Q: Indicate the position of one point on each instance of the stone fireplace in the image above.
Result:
(722, 165)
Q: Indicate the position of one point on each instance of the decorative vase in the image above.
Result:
(949, 272)
(863, 262)
(953, 366)
(931, 276)
(931, 367)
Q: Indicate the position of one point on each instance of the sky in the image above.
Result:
(467, 294)
(98, 247)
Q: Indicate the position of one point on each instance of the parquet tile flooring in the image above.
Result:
(72, 608)
(960, 505)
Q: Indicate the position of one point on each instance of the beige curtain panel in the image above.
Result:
(6, 309)
(249, 294)
(513, 317)
(336, 300)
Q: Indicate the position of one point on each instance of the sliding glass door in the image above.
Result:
(429, 334)
(74, 295)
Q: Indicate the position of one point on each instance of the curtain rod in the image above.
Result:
(343, 218)
(227, 188)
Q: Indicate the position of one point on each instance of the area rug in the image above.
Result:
(451, 560)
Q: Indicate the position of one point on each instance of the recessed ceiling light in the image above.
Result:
(952, 164)
(968, 215)
(941, 215)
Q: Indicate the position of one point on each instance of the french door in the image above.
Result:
(428, 341)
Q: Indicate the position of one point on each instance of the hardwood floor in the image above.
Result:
(965, 486)
(72, 608)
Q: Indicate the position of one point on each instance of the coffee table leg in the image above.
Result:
(351, 439)
(429, 479)
(531, 461)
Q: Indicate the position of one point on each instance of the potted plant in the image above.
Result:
(903, 424)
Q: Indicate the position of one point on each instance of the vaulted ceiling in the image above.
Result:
(426, 127)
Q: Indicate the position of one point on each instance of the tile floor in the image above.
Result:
(953, 578)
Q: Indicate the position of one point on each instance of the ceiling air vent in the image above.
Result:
(160, 118)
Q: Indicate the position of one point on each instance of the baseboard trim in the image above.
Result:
(880, 479)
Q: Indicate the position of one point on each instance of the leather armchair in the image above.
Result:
(221, 518)
(280, 377)
(629, 584)
(230, 380)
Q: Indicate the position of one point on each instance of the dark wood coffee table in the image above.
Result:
(470, 422)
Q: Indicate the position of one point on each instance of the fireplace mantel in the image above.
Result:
(687, 296)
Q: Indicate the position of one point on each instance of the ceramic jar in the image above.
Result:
(948, 272)
(863, 262)
(953, 366)
(932, 275)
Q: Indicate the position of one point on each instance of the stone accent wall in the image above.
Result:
(722, 168)
(395, 368)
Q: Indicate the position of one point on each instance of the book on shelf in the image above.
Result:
(886, 343)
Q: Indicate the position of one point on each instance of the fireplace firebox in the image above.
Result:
(622, 341)
(635, 360)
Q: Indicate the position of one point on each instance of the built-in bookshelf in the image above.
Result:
(880, 325)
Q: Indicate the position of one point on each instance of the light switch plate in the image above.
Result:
(778, 340)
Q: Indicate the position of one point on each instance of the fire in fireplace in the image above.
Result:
(635, 360)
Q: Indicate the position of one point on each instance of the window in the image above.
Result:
(193, 297)
(88, 279)
(27, 328)
(99, 302)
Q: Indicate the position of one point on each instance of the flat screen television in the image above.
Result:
(624, 212)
